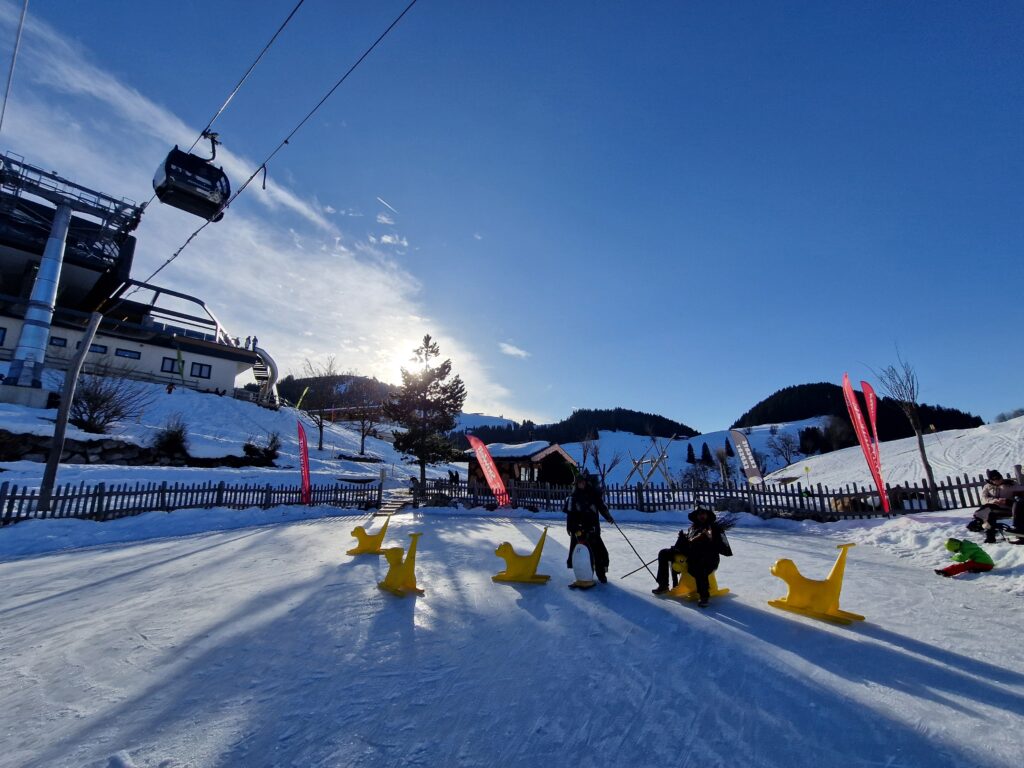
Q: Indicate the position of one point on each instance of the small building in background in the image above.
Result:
(535, 462)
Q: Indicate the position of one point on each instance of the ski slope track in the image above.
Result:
(268, 646)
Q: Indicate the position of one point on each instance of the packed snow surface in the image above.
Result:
(178, 643)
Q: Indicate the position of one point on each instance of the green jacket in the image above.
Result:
(971, 551)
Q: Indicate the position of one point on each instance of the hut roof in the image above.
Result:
(534, 451)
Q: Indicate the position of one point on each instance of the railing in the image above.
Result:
(103, 502)
(793, 500)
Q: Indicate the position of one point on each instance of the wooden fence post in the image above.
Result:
(266, 497)
(380, 493)
(220, 494)
(640, 497)
(100, 503)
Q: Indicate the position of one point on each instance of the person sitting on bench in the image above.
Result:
(1000, 500)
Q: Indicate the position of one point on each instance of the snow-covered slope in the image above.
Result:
(217, 426)
(626, 444)
(951, 453)
(991, 446)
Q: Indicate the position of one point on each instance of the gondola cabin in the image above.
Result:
(192, 184)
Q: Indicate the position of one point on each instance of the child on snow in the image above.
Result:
(969, 557)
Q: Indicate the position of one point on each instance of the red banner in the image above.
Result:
(872, 402)
(307, 494)
(867, 445)
(490, 471)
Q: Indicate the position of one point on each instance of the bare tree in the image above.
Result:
(364, 409)
(784, 446)
(724, 465)
(587, 448)
(604, 469)
(901, 384)
(107, 396)
(321, 394)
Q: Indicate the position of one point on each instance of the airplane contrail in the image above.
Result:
(386, 205)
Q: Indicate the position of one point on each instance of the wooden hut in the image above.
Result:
(536, 462)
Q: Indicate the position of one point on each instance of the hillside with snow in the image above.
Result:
(216, 426)
(952, 453)
(955, 452)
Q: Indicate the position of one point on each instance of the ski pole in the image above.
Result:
(640, 568)
(635, 552)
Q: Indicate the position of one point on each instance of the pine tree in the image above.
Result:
(427, 405)
(690, 457)
(705, 456)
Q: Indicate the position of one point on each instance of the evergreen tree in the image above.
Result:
(427, 405)
(728, 449)
(690, 458)
(705, 456)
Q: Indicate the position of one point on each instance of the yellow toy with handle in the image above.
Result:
(521, 568)
(811, 597)
(687, 587)
(368, 545)
(401, 576)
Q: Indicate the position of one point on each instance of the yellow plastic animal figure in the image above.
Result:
(369, 545)
(521, 568)
(810, 597)
(401, 576)
(687, 587)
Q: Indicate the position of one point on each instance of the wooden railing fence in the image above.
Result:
(107, 502)
(793, 500)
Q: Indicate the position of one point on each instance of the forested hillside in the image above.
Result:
(804, 401)
(584, 423)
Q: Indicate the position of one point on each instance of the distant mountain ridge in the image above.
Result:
(804, 401)
(583, 423)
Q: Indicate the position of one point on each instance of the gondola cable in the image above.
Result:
(252, 66)
(263, 166)
(206, 133)
(14, 59)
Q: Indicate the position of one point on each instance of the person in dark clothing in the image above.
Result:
(702, 545)
(584, 510)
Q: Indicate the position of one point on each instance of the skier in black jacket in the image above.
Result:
(584, 525)
(702, 545)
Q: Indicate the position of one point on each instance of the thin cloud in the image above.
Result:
(383, 218)
(512, 351)
(477, 236)
(305, 288)
(394, 240)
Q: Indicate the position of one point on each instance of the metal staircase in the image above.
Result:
(265, 372)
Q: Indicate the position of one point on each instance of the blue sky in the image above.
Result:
(673, 207)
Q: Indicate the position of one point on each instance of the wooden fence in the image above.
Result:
(103, 502)
(793, 500)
